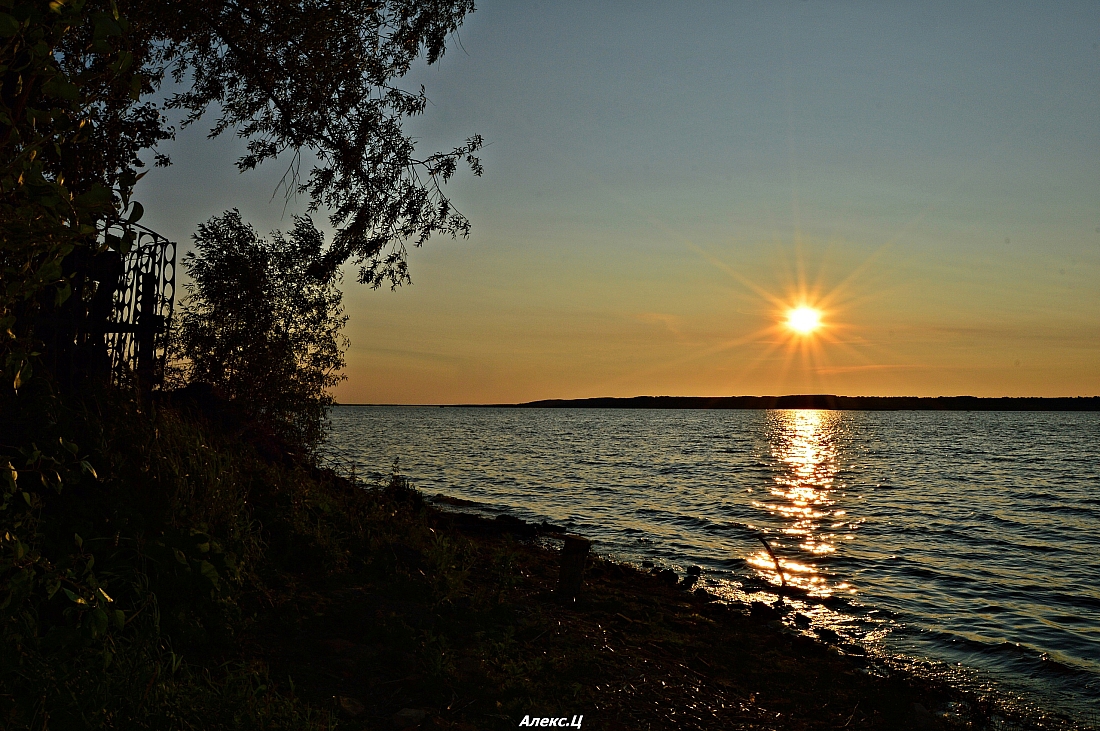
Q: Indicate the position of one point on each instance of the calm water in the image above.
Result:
(970, 539)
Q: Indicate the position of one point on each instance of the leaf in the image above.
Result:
(21, 375)
(96, 197)
(74, 598)
(9, 26)
(207, 569)
(11, 476)
(105, 27)
(96, 621)
(137, 212)
(202, 541)
(79, 541)
(63, 293)
(61, 88)
(104, 595)
(120, 618)
(87, 467)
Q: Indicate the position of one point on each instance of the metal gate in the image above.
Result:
(114, 325)
(137, 336)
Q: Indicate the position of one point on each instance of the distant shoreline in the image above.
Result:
(802, 401)
(830, 402)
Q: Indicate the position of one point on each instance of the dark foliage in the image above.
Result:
(71, 128)
(261, 326)
(110, 575)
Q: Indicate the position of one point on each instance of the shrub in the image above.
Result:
(262, 326)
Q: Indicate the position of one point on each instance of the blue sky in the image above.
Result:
(664, 179)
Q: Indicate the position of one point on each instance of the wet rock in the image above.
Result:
(801, 620)
(647, 564)
(691, 578)
(764, 612)
(502, 524)
(409, 717)
(703, 595)
(667, 576)
(441, 499)
(514, 525)
(805, 646)
(827, 635)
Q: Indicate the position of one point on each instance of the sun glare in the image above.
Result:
(803, 320)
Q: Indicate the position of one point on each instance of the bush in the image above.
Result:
(120, 551)
(262, 326)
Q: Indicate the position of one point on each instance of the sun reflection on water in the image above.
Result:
(802, 498)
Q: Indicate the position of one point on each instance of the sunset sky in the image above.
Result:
(664, 181)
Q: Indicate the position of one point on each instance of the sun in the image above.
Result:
(804, 320)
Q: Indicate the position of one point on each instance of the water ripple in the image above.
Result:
(960, 537)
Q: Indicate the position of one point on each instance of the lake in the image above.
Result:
(962, 543)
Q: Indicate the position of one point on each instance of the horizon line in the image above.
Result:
(790, 401)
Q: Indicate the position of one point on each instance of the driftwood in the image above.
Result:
(778, 568)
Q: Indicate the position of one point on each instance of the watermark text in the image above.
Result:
(562, 722)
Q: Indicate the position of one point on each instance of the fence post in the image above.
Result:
(573, 556)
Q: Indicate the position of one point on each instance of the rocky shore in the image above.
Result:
(493, 643)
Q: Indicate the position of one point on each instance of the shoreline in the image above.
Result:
(966, 689)
(823, 402)
(637, 649)
(830, 402)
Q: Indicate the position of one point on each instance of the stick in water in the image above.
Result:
(778, 570)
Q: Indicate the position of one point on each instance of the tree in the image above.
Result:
(290, 77)
(261, 326)
(71, 128)
(321, 75)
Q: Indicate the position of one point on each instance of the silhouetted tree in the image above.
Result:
(313, 78)
(262, 326)
(321, 75)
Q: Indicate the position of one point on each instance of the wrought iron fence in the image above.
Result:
(137, 336)
(114, 325)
